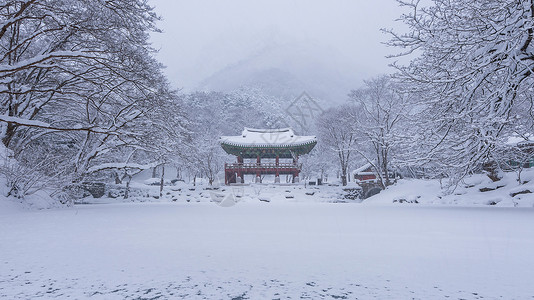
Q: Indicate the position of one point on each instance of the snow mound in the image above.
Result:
(228, 201)
(474, 190)
(152, 181)
(36, 198)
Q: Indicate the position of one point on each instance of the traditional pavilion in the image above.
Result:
(271, 145)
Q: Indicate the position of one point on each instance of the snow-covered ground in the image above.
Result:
(277, 242)
(259, 250)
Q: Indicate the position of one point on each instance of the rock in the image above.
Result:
(520, 192)
(96, 189)
(352, 193)
(487, 189)
(402, 200)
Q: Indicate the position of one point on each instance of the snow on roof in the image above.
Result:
(514, 140)
(282, 137)
(362, 168)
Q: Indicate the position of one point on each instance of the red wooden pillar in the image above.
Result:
(277, 169)
(258, 164)
(240, 169)
(277, 176)
(225, 175)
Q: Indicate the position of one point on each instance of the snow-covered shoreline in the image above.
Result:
(266, 250)
(277, 242)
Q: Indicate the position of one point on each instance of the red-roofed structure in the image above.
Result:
(273, 144)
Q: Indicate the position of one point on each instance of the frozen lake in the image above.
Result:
(267, 251)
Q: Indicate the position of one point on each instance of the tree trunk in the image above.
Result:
(8, 135)
(127, 191)
(211, 177)
(492, 170)
(385, 167)
(161, 181)
(344, 176)
(179, 173)
(117, 178)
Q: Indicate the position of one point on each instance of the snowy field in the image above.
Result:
(258, 250)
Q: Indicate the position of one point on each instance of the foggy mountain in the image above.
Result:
(289, 69)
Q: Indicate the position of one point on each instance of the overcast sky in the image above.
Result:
(203, 36)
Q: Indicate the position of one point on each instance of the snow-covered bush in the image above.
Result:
(19, 180)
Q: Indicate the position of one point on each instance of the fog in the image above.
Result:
(327, 47)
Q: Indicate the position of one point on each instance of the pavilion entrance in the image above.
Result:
(262, 152)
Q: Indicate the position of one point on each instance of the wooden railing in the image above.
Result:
(245, 166)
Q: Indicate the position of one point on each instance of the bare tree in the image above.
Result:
(319, 162)
(336, 131)
(471, 61)
(78, 80)
(380, 112)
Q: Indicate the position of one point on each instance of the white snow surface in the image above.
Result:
(259, 250)
(275, 242)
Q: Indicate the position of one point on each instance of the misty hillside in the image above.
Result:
(289, 69)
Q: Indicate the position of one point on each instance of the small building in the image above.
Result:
(279, 148)
(367, 179)
(364, 173)
(520, 155)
